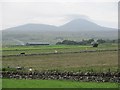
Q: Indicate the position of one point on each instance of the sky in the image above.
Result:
(57, 12)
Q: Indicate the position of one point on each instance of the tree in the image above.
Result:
(101, 41)
(90, 41)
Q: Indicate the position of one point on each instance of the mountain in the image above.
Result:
(74, 25)
(31, 27)
(77, 29)
(83, 25)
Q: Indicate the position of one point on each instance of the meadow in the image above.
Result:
(16, 50)
(99, 61)
(74, 61)
(13, 83)
(85, 61)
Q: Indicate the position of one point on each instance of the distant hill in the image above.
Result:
(77, 29)
(83, 25)
(31, 28)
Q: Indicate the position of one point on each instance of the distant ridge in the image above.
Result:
(74, 25)
(83, 25)
(76, 29)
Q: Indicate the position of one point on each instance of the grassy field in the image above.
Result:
(12, 83)
(99, 61)
(16, 50)
(96, 61)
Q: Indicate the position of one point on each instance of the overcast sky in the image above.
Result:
(58, 12)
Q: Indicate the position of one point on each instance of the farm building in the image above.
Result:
(37, 43)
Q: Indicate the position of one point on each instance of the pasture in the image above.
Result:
(65, 61)
(15, 50)
(13, 83)
(99, 61)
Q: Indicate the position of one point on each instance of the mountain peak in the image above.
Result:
(79, 24)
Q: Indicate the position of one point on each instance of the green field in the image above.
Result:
(98, 61)
(86, 61)
(16, 50)
(71, 61)
(12, 83)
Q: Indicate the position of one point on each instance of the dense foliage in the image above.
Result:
(85, 42)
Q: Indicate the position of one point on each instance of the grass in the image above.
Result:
(98, 61)
(15, 50)
(72, 61)
(12, 83)
(1, 83)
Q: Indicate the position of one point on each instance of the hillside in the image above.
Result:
(77, 29)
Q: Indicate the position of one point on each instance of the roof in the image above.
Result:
(37, 43)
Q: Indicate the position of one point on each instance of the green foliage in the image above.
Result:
(70, 42)
(101, 41)
(90, 40)
(85, 42)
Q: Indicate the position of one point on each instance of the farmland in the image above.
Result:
(65, 61)
(12, 83)
(67, 58)
(14, 50)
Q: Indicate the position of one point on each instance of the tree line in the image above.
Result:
(85, 42)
